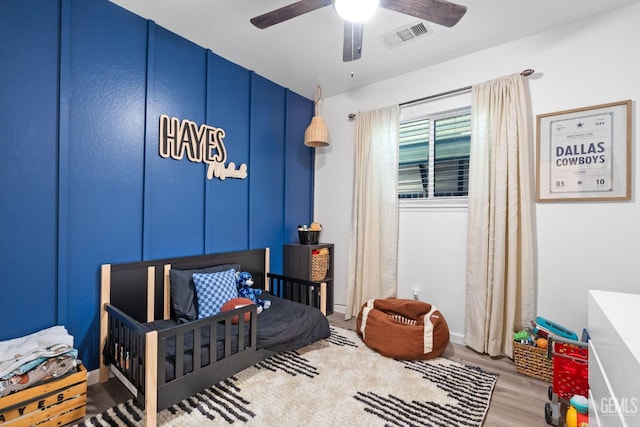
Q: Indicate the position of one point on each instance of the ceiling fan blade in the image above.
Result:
(287, 12)
(438, 11)
(352, 49)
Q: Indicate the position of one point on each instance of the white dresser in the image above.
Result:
(614, 359)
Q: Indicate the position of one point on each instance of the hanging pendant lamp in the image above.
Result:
(317, 134)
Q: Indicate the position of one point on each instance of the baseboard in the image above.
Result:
(93, 377)
(339, 308)
(456, 338)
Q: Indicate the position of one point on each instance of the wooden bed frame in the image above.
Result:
(138, 292)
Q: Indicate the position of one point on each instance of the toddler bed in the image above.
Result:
(153, 341)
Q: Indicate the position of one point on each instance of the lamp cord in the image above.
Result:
(318, 94)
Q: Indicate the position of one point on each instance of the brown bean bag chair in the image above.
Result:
(403, 328)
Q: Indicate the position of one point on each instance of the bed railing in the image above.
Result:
(130, 344)
(125, 346)
(239, 351)
(236, 338)
(306, 292)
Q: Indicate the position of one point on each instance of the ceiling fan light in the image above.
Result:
(356, 10)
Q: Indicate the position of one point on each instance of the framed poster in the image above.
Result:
(584, 154)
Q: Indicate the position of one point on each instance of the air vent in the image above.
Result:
(406, 34)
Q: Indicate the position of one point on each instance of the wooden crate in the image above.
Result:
(54, 403)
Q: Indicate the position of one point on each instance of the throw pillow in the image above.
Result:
(213, 290)
(183, 293)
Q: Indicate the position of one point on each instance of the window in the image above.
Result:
(434, 155)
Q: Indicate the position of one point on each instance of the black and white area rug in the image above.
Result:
(334, 382)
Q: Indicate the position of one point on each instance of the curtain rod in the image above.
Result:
(524, 73)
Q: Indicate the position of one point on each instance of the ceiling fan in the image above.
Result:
(437, 11)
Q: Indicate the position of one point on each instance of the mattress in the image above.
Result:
(285, 326)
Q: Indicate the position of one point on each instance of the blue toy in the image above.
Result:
(548, 327)
(244, 283)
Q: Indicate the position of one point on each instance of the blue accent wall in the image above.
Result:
(83, 184)
(29, 36)
(174, 214)
(228, 102)
(298, 184)
(268, 106)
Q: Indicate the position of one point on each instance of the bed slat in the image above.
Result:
(197, 348)
(179, 365)
(302, 291)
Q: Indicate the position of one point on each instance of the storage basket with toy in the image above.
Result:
(319, 264)
(309, 235)
(530, 354)
(532, 361)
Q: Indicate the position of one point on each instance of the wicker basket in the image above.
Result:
(533, 361)
(319, 264)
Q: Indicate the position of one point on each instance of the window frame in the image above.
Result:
(445, 202)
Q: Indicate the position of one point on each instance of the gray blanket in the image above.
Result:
(285, 326)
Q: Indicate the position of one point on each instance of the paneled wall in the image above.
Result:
(83, 85)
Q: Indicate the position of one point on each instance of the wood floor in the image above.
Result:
(517, 400)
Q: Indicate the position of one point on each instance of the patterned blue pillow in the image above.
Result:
(213, 290)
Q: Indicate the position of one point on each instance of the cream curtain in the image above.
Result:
(500, 256)
(374, 219)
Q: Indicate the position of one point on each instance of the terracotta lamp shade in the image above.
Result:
(317, 134)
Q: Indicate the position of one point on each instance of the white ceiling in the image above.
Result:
(307, 50)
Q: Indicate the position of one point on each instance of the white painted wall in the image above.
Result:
(579, 246)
